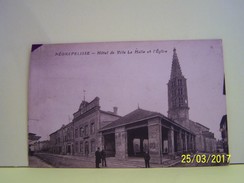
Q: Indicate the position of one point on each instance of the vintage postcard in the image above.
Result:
(141, 104)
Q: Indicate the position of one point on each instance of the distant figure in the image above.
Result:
(103, 156)
(147, 159)
(98, 157)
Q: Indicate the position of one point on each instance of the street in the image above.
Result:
(67, 161)
(35, 162)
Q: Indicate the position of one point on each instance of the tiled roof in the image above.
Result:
(32, 136)
(136, 115)
(196, 123)
(139, 115)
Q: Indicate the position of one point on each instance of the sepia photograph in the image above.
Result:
(135, 104)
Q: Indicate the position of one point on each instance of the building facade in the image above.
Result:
(205, 140)
(81, 136)
(42, 146)
(224, 133)
(32, 141)
(56, 141)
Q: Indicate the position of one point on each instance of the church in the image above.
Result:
(164, 137)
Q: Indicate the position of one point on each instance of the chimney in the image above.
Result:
(115, 110)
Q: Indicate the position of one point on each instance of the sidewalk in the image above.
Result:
(35, 162)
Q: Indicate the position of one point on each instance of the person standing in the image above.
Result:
(98, 157)
(147, 159)
(103, 156)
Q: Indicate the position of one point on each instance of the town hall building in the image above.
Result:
(81, 136)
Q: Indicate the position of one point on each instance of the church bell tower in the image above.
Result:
(178, 109)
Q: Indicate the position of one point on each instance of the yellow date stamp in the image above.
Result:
(205, 158)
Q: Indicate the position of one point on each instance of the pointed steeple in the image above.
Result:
(177, 94)
(175, 69)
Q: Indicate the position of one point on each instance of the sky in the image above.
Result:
(138, 77)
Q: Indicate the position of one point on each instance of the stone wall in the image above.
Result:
(155, 139)
(121, 143)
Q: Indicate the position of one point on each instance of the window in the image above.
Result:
(81, 132)
(72, 133)
(179, 82)
(174, 102)
(86, 148)
(69, 135)
(180, 91)
(76, 147)
(173, 83)
(86, 130)
(180, 102)
(81, 147)
(93, 146)
(76, 132)
(92, 128)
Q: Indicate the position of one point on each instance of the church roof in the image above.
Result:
(139, 115)
(175, 68)
(199, 124)
(134, 116)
